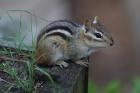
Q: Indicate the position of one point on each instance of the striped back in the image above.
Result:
(63, 28)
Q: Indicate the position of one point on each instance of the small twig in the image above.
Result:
(5, 81)
(5, 58)
(25, 55)
(37, 86)
(9, 89)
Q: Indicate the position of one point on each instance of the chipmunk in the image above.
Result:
(64, 40)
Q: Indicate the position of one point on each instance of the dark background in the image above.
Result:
(117, 62)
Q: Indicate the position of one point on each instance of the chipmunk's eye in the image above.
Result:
(98, 35)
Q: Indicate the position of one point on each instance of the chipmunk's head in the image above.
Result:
(95, 34)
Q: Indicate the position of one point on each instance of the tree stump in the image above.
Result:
(72, 79)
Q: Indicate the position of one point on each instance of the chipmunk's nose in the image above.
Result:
(112, 42)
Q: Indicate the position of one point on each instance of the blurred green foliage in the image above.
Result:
(112, 87)
(136, 85)
(91, 88)
(115, 86)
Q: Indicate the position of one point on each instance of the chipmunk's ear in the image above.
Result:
(87, 23)
(95, 20)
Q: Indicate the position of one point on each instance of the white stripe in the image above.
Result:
(58, 30)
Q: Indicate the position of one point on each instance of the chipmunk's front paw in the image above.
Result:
(82, 63)
(62, 64)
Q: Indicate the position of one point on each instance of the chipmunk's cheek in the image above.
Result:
(103, 44)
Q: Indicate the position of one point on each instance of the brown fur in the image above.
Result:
(43, 51)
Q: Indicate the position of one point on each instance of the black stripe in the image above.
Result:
(61, 28)
(71, 22)
(58, 34)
